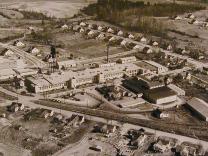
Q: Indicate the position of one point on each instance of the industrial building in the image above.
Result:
(160, 68)
(127, 59)
(73, 79)
(67, 64)
(199, 107)
(160, 95)
(177, 89)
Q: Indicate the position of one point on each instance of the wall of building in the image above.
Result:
(165, 99)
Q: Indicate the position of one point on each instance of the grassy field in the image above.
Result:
(57, 8)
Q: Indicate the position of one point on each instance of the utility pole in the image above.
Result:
(107, 50)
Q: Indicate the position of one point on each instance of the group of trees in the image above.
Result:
(35, 15)
(137, 16)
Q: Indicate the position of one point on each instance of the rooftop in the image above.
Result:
(161, 92)
(200, 105)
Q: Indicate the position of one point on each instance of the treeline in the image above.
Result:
(35, 15)
(140, 8)
(137, 15)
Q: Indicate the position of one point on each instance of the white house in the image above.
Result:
(178, 18)
(83, 24)
(149, 51)
(8, 53)
(138, 47)
(143, 40)
(101, 36)
(169, 48)
(100, 28)
(110, 30)
(19, 44)
(64, 27)
(112, 39)
(90, 26)
(35, 51)
(155, 44)
(91, 33)
(120, 33)
(124, 43)
(192, 16)
(131, 36)
(81, 30)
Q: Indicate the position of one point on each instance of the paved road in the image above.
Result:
(98, 115)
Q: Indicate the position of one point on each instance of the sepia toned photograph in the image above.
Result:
(103, 77)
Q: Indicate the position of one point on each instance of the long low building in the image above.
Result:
(160, 68)
(71, 79)
(199, 107)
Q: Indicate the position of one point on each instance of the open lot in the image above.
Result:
(57, 8)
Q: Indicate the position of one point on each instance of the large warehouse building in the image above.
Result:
(160, 95)
(199, 107)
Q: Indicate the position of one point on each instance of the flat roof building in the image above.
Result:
(177, 89)
(127, 59)
(73, 79)
(160, 68)
(160, 95)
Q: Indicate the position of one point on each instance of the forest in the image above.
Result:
(138, 16)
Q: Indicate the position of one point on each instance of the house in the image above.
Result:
(143, 40)
(190, 16)
(131, 36)
(112, 39)
(90, 26)
(7, 52)
(75, 120)
(91, 33)
(35, 50)
(162, 146)
(147, 50)
(100, 28)
(159, 114)
(124, 43)
(138, 47)
(45, 114)
(58, 118)
(169, 48)
(64, 27)
(82, 30)
(83, 24)
(15, 106)
(120, 33)
(155, 44)
(188, 151)
(178, 18)
(110, 30)
(19, 44)
(101, 36)
(108, 129)
(141, 139)
(76, 28)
